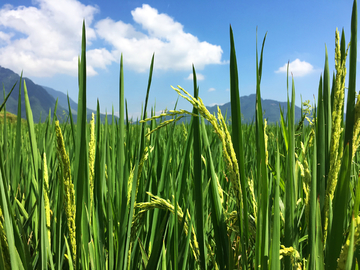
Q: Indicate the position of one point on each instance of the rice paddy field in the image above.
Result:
(214, 194)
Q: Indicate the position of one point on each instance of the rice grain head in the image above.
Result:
(92, 145)
(70, 207)
(46, 199)
(335, 154)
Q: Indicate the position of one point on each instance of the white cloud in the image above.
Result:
(5, 38)
(216, 104)
(211, 89)
(297, 68)
(174, 49)
(199, 77)
(45, 39)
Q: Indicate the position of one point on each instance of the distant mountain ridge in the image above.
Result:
(271, 109)
(42, 99)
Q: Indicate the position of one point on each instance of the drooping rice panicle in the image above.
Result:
(159, 203)
(293, 254)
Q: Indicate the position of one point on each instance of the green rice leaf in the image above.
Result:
(199, 210)
(238, 145)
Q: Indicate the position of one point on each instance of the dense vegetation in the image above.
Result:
(158, 195)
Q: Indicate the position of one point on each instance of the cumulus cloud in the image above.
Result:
(297, 67)
(44, 39)
(174, 49)
(216, 104)
(199, 77)
(211, 89)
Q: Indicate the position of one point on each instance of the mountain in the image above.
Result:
(40, 100)
(62, 101)
(271, 109)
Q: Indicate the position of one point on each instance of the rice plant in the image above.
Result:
(160, 194)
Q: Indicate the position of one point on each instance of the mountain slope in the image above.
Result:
(270, 108)
(62, 101)
(40, 100)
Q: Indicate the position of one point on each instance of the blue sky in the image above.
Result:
(43, 39)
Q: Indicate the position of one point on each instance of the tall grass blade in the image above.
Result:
(275, 243)
(71, 120)
(327, 115)
(7, 97)
(8, 221)
(350, 106)
(121, 186)
(238, 147)
(135, 177)
(335, 236)
(313, 210)
(81, 180)
(220, 232)
(199, 210)
(321, 145)
(319, 244)
(262, 233)
(17, 153)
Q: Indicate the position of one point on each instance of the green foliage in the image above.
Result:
(160, 195)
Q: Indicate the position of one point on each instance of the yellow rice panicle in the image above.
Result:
(221, 130)
(345, 248)
(356, 137)
(46, 199)
(253, 200)
(70, 207)
(335, 154)
(159, 203)
(92, 145)
(293, 254)
(130, 180)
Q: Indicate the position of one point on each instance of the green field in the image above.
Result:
(162, 195)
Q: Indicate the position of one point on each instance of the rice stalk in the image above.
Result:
(4, 247)
(266, 143)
